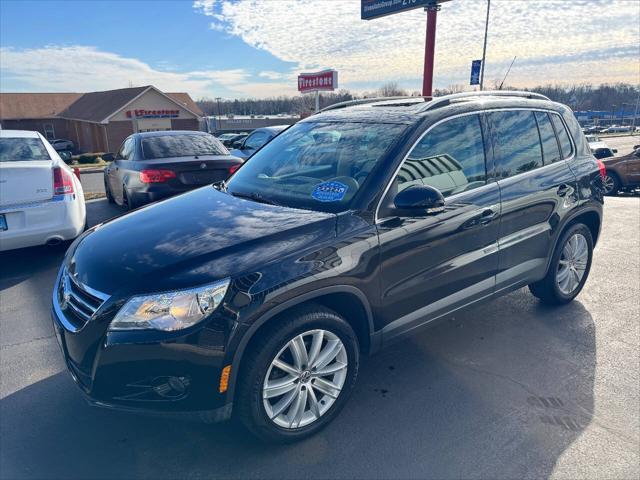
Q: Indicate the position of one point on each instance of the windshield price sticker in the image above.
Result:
(329, 192)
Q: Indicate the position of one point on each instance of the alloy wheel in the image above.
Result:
(608, 184)
(305, 379)
(572, 264)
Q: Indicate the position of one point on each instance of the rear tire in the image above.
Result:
(127, 203)
(107, 192)
(284, 417)
(611, 183)
(569, 268)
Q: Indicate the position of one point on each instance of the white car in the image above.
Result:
(41, 200)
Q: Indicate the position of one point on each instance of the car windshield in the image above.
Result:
(166, 146)
(22, 149)
(315, 165)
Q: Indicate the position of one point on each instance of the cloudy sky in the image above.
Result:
(256, 48)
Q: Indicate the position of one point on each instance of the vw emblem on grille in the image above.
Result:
(203, 166)
(66, 291)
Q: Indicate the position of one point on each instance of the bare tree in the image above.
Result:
(578, 96)
(391, 89)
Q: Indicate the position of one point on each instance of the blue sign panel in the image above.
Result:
(475, 72)
(370, 9)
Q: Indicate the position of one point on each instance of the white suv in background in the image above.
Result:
(41, 200)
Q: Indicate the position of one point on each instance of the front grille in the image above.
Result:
(79, 303)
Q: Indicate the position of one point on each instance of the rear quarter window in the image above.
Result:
(563, 136)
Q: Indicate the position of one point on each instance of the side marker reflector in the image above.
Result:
(224, 378)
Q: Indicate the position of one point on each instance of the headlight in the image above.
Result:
(170, 311)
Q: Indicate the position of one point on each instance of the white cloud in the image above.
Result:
(47, 69)
(555, 41)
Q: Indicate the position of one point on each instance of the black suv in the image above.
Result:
(349, 230)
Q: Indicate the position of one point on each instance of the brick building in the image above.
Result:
(99, 121)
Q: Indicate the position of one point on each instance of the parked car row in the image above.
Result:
(228, 139)
(610, 129)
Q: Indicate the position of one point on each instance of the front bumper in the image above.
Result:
(176, 376)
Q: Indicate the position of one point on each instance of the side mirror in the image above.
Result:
(419, 200)
(237, 145)
(108, 157)
(615, 150)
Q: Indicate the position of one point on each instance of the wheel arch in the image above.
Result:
(348, 301)
(591, 217)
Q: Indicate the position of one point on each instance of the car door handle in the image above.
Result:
(487, 216)
(564, 190)
(484, 218)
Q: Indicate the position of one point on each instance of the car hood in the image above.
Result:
(190, 240)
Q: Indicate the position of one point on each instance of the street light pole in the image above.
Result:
(613, 110)
(218, 119)
(484, 48)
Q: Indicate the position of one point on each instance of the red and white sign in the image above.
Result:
(163, 113)
(312, 82)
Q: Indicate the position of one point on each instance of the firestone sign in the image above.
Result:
(164, 113)
(313, 82)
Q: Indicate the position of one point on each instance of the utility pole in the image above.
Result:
(613, 112)
(218, 119)
(484, 48)
(635, 115)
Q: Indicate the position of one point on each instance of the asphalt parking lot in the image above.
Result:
(509, 389)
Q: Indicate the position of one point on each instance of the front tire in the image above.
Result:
(569, 268)
(298, 376)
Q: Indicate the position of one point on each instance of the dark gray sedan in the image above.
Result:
(256, 140)
(154, 165)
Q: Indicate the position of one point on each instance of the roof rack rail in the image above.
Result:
(447, 99)
(364, 101)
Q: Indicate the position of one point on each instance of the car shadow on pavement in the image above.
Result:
(498, 391)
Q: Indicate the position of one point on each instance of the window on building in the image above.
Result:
(49, 132)
(517, 141)
(450, 158)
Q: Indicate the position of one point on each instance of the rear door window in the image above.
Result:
(450, 158)
(550, 149)
(563, 135)
(22, 150)
(516, 142)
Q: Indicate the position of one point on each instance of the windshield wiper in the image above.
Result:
(256, 197)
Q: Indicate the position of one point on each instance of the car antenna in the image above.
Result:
(508, 70)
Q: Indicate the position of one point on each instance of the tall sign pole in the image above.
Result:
(370, 9)
(429, 50)
(484, 48)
